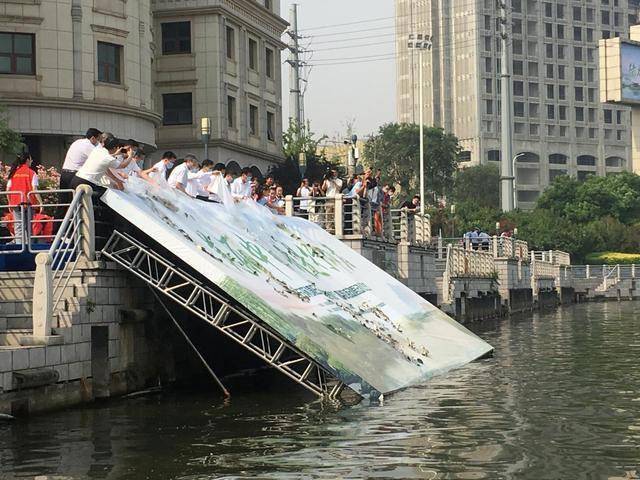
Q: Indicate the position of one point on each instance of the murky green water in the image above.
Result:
(560, 400)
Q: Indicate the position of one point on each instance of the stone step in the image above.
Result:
(16, 321)
(11, 337)
(9, 307)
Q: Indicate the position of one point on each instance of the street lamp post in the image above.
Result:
(515, 182)
(205, 131)
(420, 42)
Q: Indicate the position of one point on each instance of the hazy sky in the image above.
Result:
(359, 92)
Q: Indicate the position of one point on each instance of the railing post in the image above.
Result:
(288, 205)
(87, 223)
(440, 246)
(338, 215)
(495, 246)
(633, 271)
(587, 271)
(42, 298)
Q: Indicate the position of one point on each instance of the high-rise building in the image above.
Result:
(148, 70)
(560, 127)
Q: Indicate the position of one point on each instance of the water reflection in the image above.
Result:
(559, 400)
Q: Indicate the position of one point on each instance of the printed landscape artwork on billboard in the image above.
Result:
(360, 323)
(630, 64)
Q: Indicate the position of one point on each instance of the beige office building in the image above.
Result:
(560, 126)
(148, 70)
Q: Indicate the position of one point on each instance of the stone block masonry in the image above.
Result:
(96, 300)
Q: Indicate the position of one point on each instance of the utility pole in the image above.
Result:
(295, 90)
(507, 178)
(296, 104)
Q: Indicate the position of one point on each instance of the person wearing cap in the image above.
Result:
(179, 177)
(77, 155)
(97, 171)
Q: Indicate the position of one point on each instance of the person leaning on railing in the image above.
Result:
(22, 180)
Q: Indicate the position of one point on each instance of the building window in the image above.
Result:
(231, 43)
(253, 120)
(231, 112)
(253, 54)
(269, 62)
(109, 63)
(17, 53)
(587, 160)
(176, 38)
(268, 4)
(608, 116)
(177, 109)
(271, 126)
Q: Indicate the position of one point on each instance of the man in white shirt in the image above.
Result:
(133, 169)
(179, 177)
(97, 170)
(159, 170)
(304, 192)
(76, 156)
(198, 182)
(241, 186)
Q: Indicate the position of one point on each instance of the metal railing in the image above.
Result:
(37, 222)
(74, 240)
(10, 225)
(50, 213)
(622, 272)
(66, 248)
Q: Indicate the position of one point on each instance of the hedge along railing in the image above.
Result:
(74, 242)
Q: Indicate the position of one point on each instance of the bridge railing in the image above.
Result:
(464, 263)
(541, 267)
(345, 216)
(74, 241)
(500, 247)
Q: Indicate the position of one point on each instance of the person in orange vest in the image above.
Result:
(22, 180)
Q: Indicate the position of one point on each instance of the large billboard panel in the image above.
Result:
(630, 66)
(353, 318)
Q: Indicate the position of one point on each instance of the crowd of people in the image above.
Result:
(103, 161)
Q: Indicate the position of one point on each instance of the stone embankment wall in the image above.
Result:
(111, 339)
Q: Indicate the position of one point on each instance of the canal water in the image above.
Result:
(560, 400)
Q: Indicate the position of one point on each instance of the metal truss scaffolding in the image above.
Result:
(229, 319)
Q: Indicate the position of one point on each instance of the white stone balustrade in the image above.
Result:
(465, 263)
(355, 217)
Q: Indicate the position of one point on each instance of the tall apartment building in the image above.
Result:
(145, 69)
(560, 126)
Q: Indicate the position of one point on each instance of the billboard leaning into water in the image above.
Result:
(353, 318)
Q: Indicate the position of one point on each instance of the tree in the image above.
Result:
(10, 140)
(479, 185)
(396, 151)
(297, 140)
